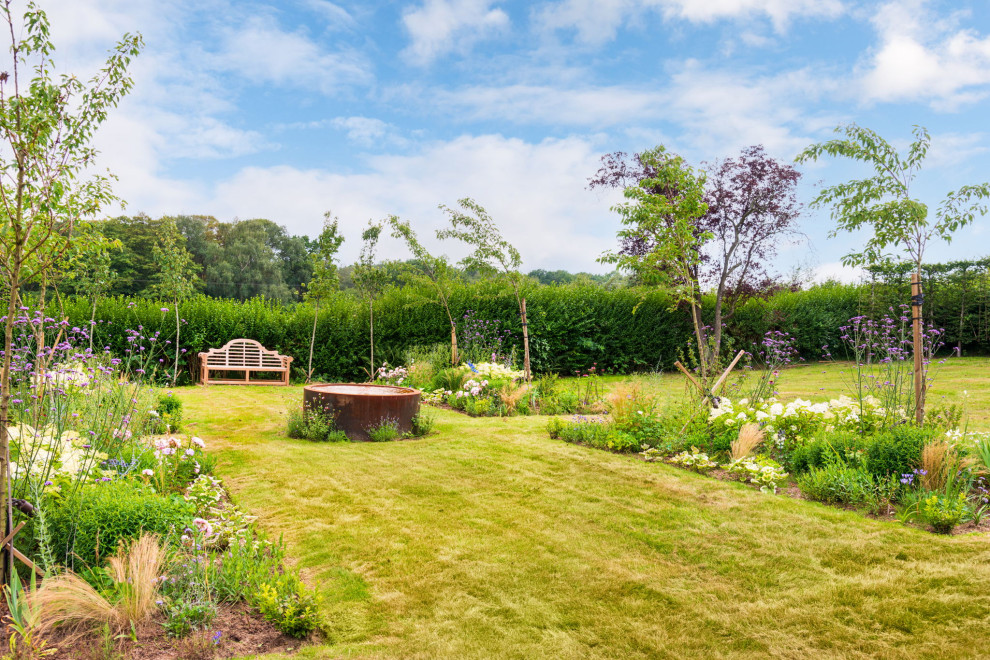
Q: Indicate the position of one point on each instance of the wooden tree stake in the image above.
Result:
(919, 377)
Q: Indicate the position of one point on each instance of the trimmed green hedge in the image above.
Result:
(571, 326)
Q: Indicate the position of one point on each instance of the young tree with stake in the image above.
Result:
(47, 125)
(435, 270)
(883, 203)
(370, 279)
(492, 254)
(325, 280)
(177, 276)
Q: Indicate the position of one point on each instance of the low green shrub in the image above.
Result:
(169, 409)
(944, 512)
(838, 483)
(591, 431)
(695, 460)
(183, 617)
(422, 423)
(288, 605)
(621, 441)
(88, 526)
(761, 471)
(844, 446)
(897, 450)
(386, 430)
(313, 425)
(243, 567)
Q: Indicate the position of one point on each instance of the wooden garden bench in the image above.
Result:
(245, 355)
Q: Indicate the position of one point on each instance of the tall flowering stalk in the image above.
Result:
(73, 408)
(883, 357)
(775, 351)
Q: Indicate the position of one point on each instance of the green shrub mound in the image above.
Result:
(93, 521)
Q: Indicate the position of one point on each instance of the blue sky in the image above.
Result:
(285, 110)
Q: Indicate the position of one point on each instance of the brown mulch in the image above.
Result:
(242, 632)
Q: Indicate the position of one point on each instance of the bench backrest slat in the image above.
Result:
(240, 353)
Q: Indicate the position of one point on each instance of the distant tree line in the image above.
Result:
(240, 260)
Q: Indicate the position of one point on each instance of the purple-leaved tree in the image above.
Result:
(752, 208)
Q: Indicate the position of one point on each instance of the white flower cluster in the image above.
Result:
(494, 371)
(775, 416)
(67, 452)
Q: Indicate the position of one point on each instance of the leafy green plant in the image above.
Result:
(694, 460)
(897, 450)
(169, 409)
(386, 430)
(87, 527)
(761, 471)
(239, 571)
(838, 483)
(423, 423)
(555, 426)
(592, 431)
(314, 425)
(184, 617)
(23, 621)
(288, 605)
(944, 512)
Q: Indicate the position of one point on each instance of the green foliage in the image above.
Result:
(87, 527)
(883, 203)
(761, 471)
(313, 425)
(422, 423)
(288, 604)
(828, 448)
(944, 512)
(243, 567)
(169, 409)
(838, 483)
(897, 450)
(385, 431)
(591, 431)
(183, 617)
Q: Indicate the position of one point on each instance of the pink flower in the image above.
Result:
(204, 526)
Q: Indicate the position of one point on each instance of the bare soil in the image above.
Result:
(236, 631)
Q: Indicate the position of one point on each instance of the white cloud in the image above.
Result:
(365, 131)
(259, 51)
(835, 271)
(534, 191)
(442, 26)
(597, 21)
(714, 111)
(336, 16)
(780, 12)
(545, 104)
(923, 57)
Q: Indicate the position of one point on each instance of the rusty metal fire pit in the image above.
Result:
(356, 408)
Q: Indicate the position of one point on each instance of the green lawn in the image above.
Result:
(489, 539)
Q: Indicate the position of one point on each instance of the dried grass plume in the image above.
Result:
(750, 437)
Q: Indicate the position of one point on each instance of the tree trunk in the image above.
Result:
(312, 342)
(371, 329)
(5, 394)
(453, 344)
(525, 329)
(175, 367)
(919, 376)
(92, 324)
